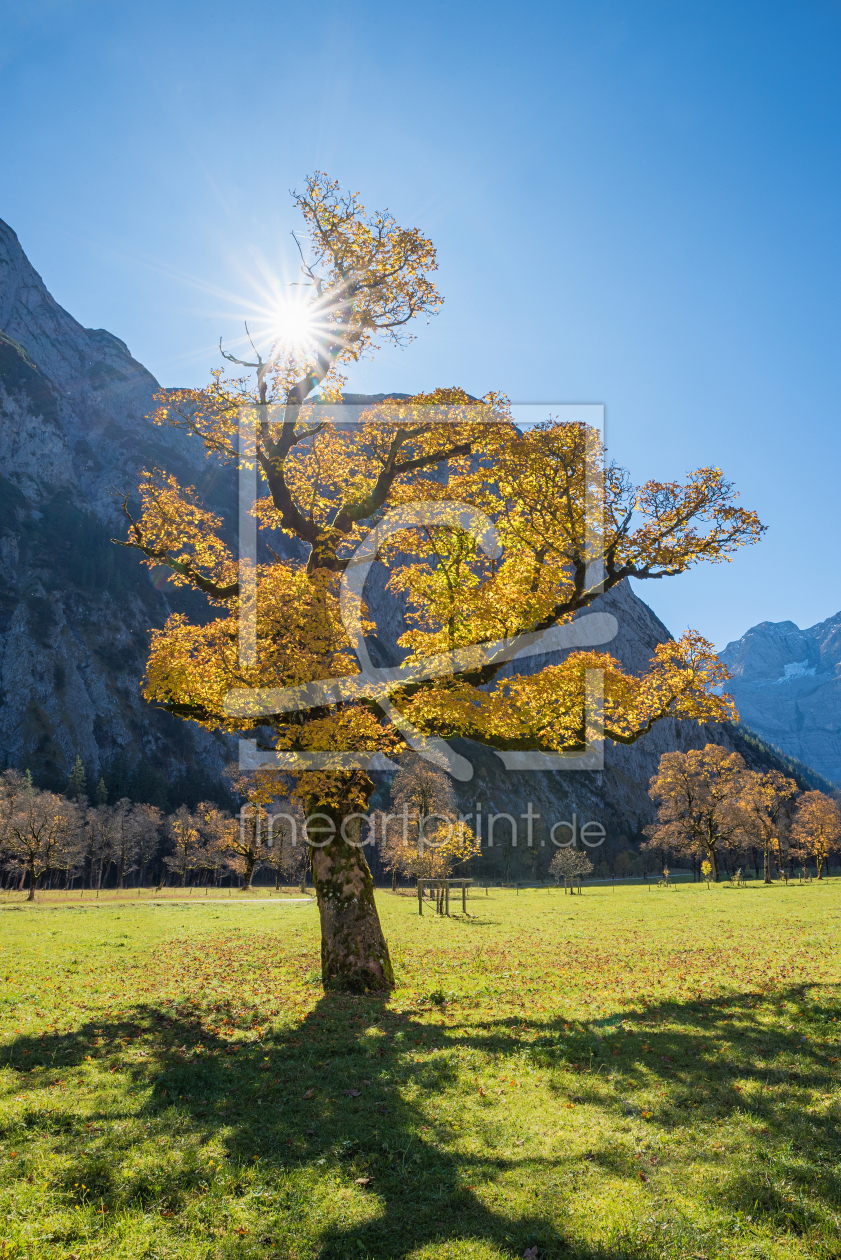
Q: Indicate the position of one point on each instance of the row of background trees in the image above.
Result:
(712, 808)
(66, 840)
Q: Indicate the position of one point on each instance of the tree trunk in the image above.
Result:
(354, 953)
(250, 863)
(767, 864)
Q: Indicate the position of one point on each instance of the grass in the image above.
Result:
(640, 1073)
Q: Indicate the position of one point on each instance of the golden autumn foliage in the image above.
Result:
(697, 795)
(421, 833)
(816, 829)
(329, 487)
(711, 805)
(761, 805)
(528, 529)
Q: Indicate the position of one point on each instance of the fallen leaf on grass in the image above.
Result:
(530, 1253)
(352, 1093)
(363, 1181)
(383, 1110)
(642, 1176)
(309, 1094)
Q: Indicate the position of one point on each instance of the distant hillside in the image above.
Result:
(760, 755)
(75, 610)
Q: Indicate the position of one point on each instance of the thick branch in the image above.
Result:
(206, 585)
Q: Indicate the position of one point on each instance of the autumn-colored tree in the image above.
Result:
(570, 864)
(696, 794)
(326, 484)
(146, 822)
(286, 850)
(761, 803)
(101, 840)
(37, 829)
(816, 828)
(422, 834)
(244, 842)
(125, 841)
(186, 844)
(215, 828)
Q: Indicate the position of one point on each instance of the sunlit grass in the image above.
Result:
(631, 1073)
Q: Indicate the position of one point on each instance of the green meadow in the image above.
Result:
(639, 1072)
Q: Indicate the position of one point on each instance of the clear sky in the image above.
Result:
(634, 203)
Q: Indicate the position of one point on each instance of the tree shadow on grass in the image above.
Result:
(341, 1093)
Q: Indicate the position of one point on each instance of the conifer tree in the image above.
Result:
(77, 784)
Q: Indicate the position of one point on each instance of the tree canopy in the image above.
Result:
(527, 561)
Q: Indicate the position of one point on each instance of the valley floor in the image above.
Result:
(639, 1072)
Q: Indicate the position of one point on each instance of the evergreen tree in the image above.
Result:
(101, 793)
(77, 784)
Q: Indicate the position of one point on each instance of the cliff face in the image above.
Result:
(74, 609)
(787, 684)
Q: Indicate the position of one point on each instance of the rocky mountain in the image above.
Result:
(75, 610)
(787, 684)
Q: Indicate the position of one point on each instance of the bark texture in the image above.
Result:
(354, 953)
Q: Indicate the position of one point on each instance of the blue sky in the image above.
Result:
(633, 203)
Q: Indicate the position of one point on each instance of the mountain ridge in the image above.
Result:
(787, 685)
(75, 610)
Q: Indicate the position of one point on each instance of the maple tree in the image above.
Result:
(326, 484)
(697, 795)
(816, 829)
(763, 822)
(570, 864)
(186, 844)
(422, 834)
(37, 828)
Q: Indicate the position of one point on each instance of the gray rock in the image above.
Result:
(787, 685)
(75, 610)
